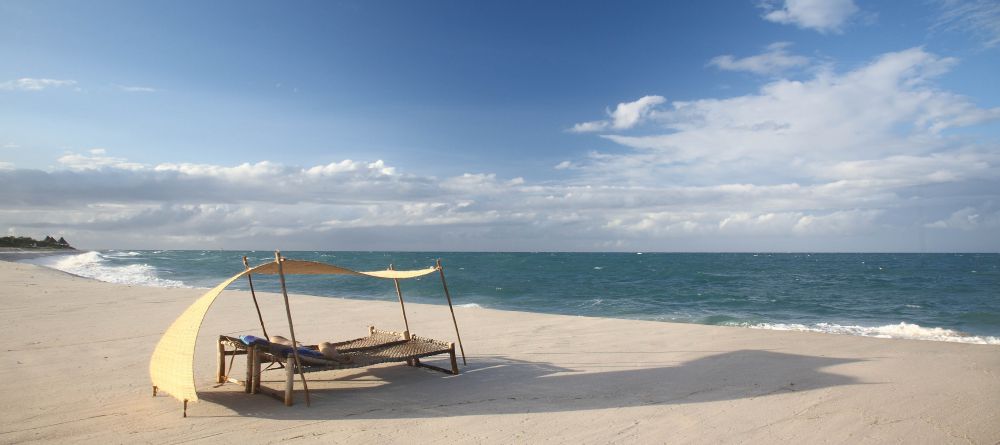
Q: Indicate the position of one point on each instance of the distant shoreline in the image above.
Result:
(21, 253)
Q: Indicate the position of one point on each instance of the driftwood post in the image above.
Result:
(452, 309)
(253, 294)
(291, 328)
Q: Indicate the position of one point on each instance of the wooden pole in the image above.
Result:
(248, 383)
(399, 293)
(291, 328)
(253, 294)
(221, 375)
(289, 383)
(452, 309)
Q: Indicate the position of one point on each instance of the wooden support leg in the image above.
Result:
(454, 361)
(154, 390)
(289, 381)
(221, 375)
(185, 408)
(248, 385)
(255, 385)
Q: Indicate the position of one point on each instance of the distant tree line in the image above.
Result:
(28, 243)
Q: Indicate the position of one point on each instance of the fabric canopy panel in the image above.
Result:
(299, 267)
(171, 367)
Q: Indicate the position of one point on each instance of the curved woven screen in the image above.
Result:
(172, 365)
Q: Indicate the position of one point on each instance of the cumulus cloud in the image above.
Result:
(820, 15)
(840, 153)
(626, 115)
(351, 205)
(774, 60)
(981, 18)
(887, 107)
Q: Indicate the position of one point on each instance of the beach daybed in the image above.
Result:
(378, 347)
(171, 367)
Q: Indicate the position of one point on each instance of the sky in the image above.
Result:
(705, 126)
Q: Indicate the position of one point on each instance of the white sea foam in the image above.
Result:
(95, 265)
(120, 254)
(469, 305)
(902, 330)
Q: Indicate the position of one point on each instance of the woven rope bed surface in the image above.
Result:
(379, 347)
(396, 352)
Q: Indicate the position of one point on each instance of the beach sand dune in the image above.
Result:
(74, 368)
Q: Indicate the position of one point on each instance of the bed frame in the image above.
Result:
(378, 347)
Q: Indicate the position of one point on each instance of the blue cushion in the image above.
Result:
(250, 340)
(311, 353)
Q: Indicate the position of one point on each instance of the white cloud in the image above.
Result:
(820, 15)
(840, 154)
(969, 218)
(6, 166)
(773, 61)
(352, 203)
(981, 18)
(95, 161)
(587, 127)
(884, 108)
(30, 84)
(626, 115)
(136, 89)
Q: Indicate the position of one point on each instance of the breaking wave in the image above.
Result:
(901, 331)
(96, 265)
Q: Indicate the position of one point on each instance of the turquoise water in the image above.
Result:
(949, 297)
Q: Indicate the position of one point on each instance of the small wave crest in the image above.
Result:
(95, 265)
(469, 305)
(120, 254)
(902, 330)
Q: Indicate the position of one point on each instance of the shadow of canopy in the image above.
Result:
(499, 385)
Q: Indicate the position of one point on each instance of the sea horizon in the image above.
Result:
(902, 295)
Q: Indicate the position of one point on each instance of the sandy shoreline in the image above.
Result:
(75, 369)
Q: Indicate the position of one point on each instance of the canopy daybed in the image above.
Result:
(171, 367)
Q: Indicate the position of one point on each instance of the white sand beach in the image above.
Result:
(75, 370)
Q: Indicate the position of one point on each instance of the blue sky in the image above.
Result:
(693, 126)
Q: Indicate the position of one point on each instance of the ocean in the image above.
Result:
(941, 297)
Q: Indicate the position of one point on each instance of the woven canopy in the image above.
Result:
(172, 366)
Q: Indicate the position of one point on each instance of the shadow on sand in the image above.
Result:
(498, 385)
